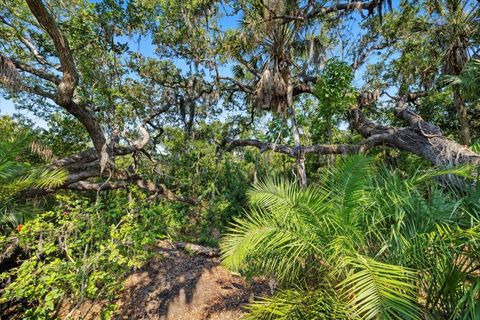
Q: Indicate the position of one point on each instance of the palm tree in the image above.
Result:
(17, 176)
(454, 31)
(468, 80)
(369, 244)
(265, 49)
(280, 44)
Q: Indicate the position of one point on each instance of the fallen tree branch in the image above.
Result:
(158, 189)
(197, 249)
(419, 137)
(294, 152)
(79, 160)
(87, 165)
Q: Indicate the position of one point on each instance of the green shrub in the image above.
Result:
(79, 250)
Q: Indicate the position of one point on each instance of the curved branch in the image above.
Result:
(159, 190)
(37, 72)
(347, 6)
(66, 87)
(69, 81)
(419, 137)
(294, 152)
(78, 160)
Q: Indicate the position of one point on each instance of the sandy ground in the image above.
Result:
(179, 286)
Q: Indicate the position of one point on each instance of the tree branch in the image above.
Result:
(159, 190)
(419, 137)
(66, 88)
(294, 152)
(347, 6)
(69, 81)
(37, 72)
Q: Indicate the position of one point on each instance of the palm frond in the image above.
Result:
(464, 171)
(468, 306)
(266, 244)
(379, 290)
(46, 177)
(16, 176)
(284, 197)
(475, 146)
(363, 229)
(298, 303)
(349, 180)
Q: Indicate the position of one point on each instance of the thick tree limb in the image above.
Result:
(37, 72)
(78, 160)
(320, 9)
(419, 137)
(346, 6)
(87, 165)
(82, 175)
(302, 87)
(118, 180)
(90, 163)
(91, 124)
(70, 76)
(322, 149)
(159, 190)
(64, 95)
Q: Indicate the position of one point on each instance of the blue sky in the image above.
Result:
(6, 107)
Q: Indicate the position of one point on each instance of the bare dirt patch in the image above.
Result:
(176, 285)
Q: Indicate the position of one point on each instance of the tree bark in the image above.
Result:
(462, 116)
(300, 156)
(418, 137)
(65, 91)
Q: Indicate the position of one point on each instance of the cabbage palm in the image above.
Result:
(369, 243)
(17, 176)
(468, 80)
(454, 31)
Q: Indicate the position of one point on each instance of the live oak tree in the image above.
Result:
(66, 56)
(276, 31)
(432, 40)
(71, 56)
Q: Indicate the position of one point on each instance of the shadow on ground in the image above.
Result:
(175, 285)
(180, 286)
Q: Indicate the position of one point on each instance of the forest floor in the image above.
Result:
(178, 285)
